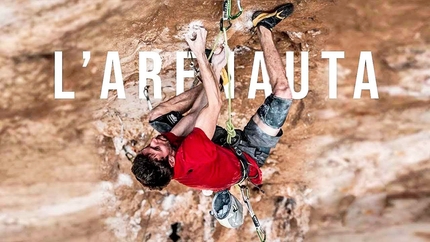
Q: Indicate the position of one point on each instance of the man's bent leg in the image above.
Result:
(275, 67)
(263, 131)
(273, 114)
(263, 134)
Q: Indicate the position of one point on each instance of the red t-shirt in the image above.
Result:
(202, 164)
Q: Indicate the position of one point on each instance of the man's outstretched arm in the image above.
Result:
(187, 123)
(181, 103)
(208, 117)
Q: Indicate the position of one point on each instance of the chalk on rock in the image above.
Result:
(118, 143)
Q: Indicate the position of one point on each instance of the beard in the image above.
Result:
(166, 141)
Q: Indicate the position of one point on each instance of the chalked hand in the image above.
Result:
(197, 41)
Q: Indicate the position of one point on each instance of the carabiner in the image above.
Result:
(261, 234)
(221, 24)
(226, 10)
(129, 153)
(238, 13)
(226, 14)
(246, 192)
(146, 94)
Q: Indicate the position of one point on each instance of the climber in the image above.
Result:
(184, 150)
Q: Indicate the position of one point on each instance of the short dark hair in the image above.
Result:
(152, 173)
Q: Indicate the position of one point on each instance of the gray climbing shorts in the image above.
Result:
(255, 141)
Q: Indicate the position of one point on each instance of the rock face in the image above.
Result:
(345, 169)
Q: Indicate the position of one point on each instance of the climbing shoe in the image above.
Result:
(272, 18)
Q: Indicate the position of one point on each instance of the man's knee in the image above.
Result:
(274, 111)
(283, 91)
(264, 127)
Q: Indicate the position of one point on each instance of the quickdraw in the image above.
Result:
(129, 153)
(245, 196)
(231, 133)
(226, 18)
(226, 14)
(244, 190)
(196, 70)
(146, 94)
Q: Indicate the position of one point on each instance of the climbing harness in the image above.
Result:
(244, 189)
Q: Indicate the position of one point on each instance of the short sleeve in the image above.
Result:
(198, 147)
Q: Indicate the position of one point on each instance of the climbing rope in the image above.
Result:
(231, 133)
(226, 18)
